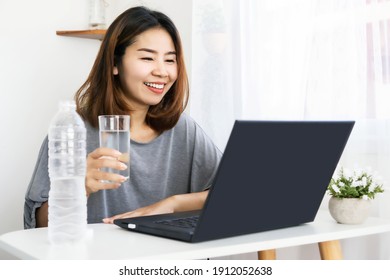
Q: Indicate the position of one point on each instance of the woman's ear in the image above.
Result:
(115, 70)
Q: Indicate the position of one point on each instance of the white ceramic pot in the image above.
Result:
(349, 210)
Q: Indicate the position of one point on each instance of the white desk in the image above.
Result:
(112, 242)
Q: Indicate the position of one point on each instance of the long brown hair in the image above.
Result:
(101, 94)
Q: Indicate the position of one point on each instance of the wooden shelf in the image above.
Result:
(96, 34)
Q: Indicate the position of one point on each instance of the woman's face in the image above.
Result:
(148, 68)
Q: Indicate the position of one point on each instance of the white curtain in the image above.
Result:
(299, 59)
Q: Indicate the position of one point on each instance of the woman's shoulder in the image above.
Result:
(195, 135)
(187, 124)
(186, 121)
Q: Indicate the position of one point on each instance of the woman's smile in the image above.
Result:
(156, 87)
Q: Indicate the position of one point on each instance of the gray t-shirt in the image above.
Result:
(180, 160)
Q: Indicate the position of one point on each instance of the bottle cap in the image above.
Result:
(67, 104)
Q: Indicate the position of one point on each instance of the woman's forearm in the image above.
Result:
(189, 201)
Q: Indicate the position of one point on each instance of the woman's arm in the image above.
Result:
(41, 215)
(189, 201)
(176, 203)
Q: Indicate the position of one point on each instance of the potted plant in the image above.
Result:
(352, 192)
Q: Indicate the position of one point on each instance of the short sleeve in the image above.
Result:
(205, 161)
(38, 189)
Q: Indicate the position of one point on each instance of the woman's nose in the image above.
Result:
(160, 69)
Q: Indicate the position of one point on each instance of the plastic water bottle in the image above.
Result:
(67, 167)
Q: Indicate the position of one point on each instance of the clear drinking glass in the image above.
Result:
(114, 132)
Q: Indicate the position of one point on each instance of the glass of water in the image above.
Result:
(114, 133)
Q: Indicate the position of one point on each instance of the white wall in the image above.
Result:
(37, 69)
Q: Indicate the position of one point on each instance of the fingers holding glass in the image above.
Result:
(97, 177)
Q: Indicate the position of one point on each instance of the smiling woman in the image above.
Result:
(139, 71)
(148, 68)
(130, 39)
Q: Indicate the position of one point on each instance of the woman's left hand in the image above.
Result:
(162, 207)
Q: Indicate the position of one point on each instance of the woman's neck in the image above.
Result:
(139, 130)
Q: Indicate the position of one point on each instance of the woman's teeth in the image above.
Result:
(158, 86)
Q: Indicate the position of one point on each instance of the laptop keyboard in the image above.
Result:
(189, 222)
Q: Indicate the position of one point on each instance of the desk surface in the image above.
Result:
(112, 242)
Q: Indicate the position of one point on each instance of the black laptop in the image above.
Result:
(273, 174)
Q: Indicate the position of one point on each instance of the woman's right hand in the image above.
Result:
(96, 179)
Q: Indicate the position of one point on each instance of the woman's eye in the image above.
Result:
(147, 58)
(170, 61)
